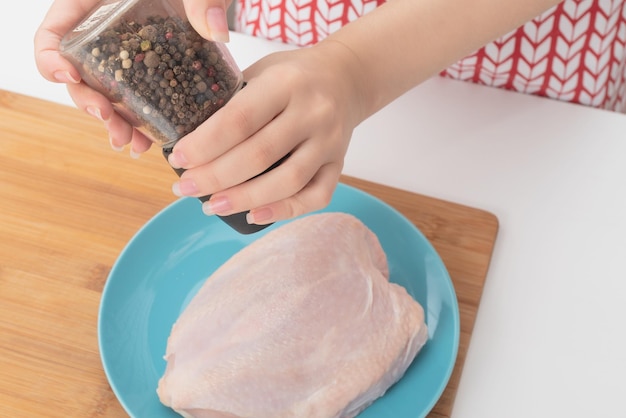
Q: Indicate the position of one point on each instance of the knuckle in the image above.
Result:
(240, 120)
(288, 74)
(315, 198)
(264, 154)
(325, 106)
(321, 197)
(206, 179)
(292, 208)
(297, 178)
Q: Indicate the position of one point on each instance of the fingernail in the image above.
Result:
(134, 154)
(176, 159)
(115, 147)
(218, 26)
(184, 187)
(95, 112)
(65, 77)
(216, 206)
(259, 216)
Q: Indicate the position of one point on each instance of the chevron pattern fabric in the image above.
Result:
(575, 52)
(298, 22)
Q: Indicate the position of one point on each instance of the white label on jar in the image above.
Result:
(96, 16)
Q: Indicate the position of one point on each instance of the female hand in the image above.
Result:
(303, 104)
(208, 17)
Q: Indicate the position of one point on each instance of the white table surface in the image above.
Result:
(549, 339)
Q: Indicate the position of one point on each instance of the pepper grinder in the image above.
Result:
(159, 73)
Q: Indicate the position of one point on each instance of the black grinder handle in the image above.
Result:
(237, 221)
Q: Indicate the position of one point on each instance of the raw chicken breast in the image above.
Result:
(303, 323)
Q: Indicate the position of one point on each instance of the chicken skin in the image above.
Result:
(302, 323)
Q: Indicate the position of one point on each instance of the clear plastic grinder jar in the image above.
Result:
(159, 73)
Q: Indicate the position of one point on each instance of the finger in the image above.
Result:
(316, 195)
(61, 17)
(248, 159)
(90, 101)
(95, 104)
(140, 143)
(284, 181)
(208, 18)
(55, 68)
(248, 112)
(120, 131)
(121, 134)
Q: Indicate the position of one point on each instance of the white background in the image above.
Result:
(549, 339)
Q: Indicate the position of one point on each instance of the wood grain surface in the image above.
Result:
(68, 207)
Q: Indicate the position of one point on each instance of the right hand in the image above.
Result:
(207, 16)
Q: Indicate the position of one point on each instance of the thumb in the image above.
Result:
(208, 18)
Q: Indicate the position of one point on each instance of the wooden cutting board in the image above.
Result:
(68, 207)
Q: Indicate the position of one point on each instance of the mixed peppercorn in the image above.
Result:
(169, 77)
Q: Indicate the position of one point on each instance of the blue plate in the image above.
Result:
(165, 263)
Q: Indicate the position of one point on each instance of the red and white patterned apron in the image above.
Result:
(574, 52)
